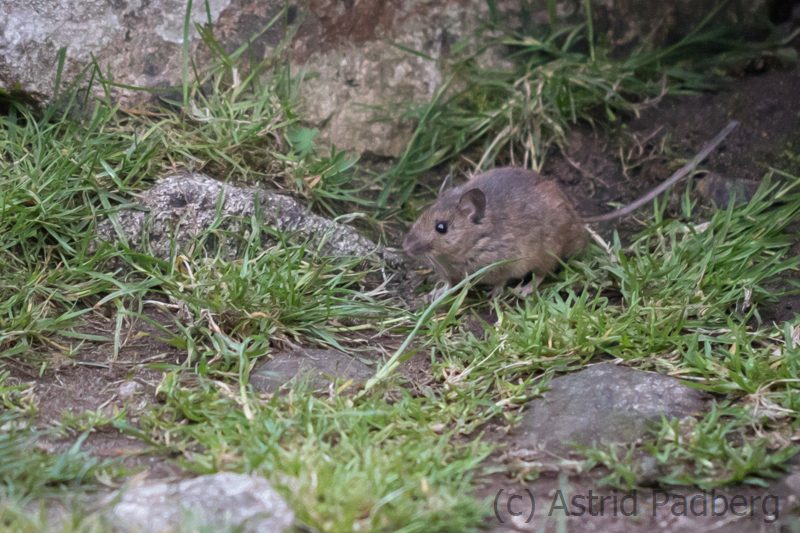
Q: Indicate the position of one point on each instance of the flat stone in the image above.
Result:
(719, 191)
(318, 368)
(224, 501)
(603, 403)
(182, 206)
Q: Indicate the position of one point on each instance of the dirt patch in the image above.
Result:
(601, 168)
(784, 309)
(418, 372)
(95, 381)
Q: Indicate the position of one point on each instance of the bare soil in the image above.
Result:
(767, 106)
(96, 381)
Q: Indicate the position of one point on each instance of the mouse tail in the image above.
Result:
(688, 168)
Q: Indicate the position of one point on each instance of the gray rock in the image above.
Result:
(602, 403)
(129, 389)
(219, 501)
(347, 49)
(716, 190)
(139, 43)
(347, 46)
(319, 368)
(366, 68)
(182, 206)
(792, 482)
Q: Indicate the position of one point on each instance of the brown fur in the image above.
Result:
(526, 219)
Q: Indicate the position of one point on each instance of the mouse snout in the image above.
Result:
(415, 246)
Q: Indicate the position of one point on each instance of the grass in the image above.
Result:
(684, 297)
(284, 293)
(556, 77)
(673, 300)
(400, 472)
(29, 474)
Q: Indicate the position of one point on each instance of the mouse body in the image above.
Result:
(505, 214)
(514, 215)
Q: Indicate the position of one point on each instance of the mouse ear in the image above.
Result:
(472, 204)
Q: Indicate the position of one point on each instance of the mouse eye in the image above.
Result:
(441, 227)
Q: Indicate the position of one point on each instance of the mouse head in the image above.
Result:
(449, 228)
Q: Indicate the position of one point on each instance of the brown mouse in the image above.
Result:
(513, 215)
(503, 214)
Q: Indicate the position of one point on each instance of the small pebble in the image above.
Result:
(128, 389)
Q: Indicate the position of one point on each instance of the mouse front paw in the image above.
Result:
(497, 291)
(524, 290)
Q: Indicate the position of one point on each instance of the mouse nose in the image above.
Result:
(412, 245)
(408, 243)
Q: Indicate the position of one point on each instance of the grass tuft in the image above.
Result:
(518, 106)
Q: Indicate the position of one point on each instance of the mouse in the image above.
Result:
(514, 216)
